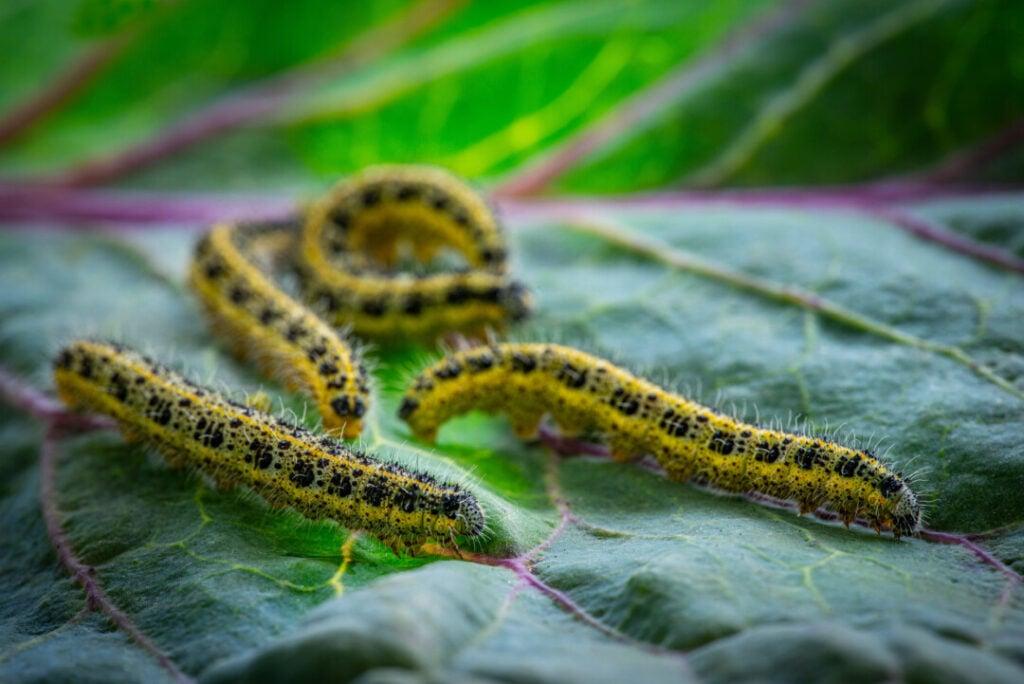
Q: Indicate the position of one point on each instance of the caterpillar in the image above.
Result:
(350, 242)
(264, 324)
(636, 417)
(342, 255)
(238, 445)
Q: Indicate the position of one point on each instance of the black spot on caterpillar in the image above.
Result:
(367, 217)
(285, 464)
(262, 323)
(690, 441)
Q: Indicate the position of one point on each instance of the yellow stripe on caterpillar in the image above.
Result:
(691, 442)
(285, 464)
(351, 238)
(265, 325)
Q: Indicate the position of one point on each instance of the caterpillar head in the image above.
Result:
(346, 413)
(465, 510)
(902, 505)
(516, 300)
(906, 519)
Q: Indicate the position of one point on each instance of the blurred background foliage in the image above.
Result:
(482, 87)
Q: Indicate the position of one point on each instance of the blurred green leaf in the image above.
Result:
(498, 83)
(104, 17)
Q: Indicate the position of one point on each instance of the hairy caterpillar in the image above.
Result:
(690, 441)
(350, 242)
(361, 225)
(285, 464)
(264, 324)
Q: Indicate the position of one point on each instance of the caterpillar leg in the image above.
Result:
(569, 424)
(526, 423)
(133, 436)
(428, 435)
(622, 450)
(453, 541)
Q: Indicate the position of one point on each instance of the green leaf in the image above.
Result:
(911, 75)
(817, 306)
(227, 586)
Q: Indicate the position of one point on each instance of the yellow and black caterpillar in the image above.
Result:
(343, 253)
(265, 325)
(636, 417)
(238, 445)
(351, 241)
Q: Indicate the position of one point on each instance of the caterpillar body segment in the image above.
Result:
(691, 442)
(406, 306)
(239, 445)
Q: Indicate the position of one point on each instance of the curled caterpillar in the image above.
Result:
(374, 212)
(690, 441)
(342, 255)
(285, 464)
(265, 325)
(350, 242)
